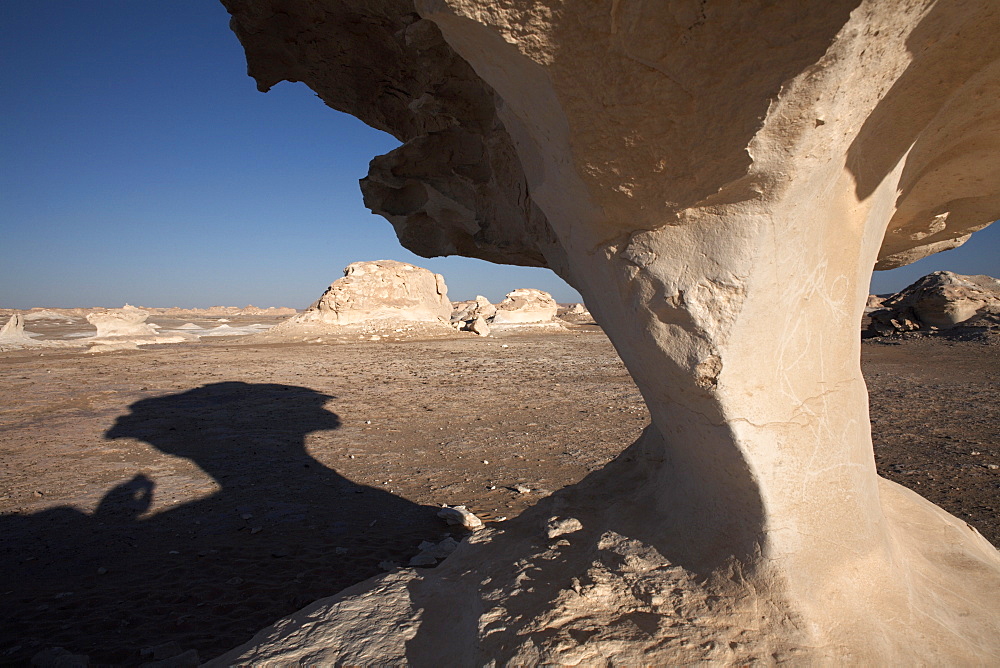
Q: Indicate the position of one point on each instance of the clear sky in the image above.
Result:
(139, 164)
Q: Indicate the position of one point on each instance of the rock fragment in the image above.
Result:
(460, 516)
(558, 526)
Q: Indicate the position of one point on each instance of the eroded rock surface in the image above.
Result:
(373, 300)
(941, 300)
(525, 306)
(382, 290)
(12, 334)
(127, 321)
(717, 180)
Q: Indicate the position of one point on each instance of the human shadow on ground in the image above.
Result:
(281, 530)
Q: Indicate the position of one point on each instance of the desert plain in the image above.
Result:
(194, 493)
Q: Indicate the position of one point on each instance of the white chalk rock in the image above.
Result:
(127, 321)
(526, 306)
(382, 290)
(460, 516)
(479, 326)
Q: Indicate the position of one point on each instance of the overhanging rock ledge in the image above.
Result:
(718, 181)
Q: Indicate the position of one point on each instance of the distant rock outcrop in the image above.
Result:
(127, 321)
(382, 290)
(526, 306)
(374, 300)
(12, 333)
(941, 300)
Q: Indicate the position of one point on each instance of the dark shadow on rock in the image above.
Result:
(281, 530)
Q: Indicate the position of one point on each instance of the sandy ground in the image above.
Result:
(198, 492)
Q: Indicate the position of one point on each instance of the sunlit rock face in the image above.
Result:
(717, 180)
(941, 300)
(382, 290)
(526, 306)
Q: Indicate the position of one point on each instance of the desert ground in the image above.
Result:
(197, 492)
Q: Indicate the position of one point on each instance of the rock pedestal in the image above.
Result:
(717, 180)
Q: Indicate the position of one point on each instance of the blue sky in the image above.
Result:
(139, 164)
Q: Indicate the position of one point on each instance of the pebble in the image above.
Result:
(256, 530)
(521, 489)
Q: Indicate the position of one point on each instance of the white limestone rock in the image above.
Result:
(127, 321)
(460, 516)
(12, 334)
(717, 180)
(383, 290)
(941, 300)
(525, 306)
(479, 326)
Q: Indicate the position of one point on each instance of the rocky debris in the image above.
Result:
(473, 316)
(479, 326)
(460, 516)
(431, 553)
(939, 301)
(526, 306)
(480, 307)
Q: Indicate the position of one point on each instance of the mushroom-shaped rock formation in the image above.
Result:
(127, 321)
(717, 179)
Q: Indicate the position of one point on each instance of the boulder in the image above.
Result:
(479, 326)
(941, 300)
(384, 290)
(525, 306)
